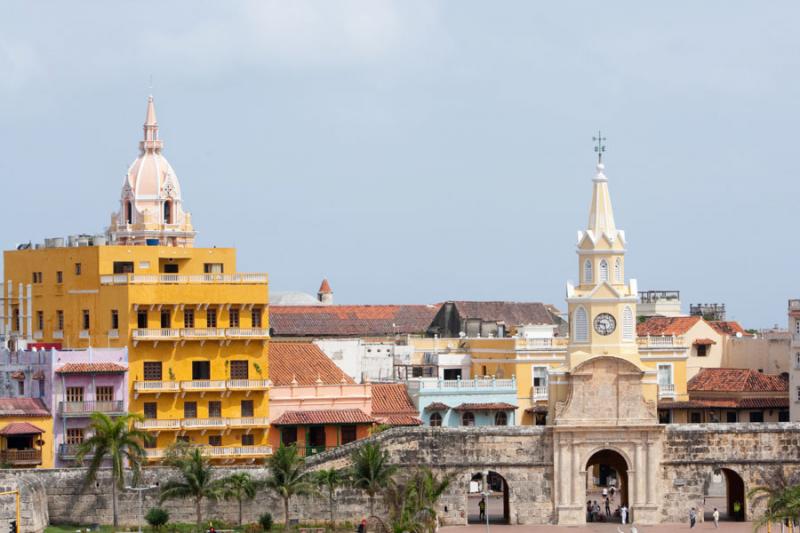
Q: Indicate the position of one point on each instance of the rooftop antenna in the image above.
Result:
(600, 147)
(151, 85)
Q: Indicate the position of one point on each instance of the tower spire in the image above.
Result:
(151, 141)
(601, 214)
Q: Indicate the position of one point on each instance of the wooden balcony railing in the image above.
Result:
(21, 457)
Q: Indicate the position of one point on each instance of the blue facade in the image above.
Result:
(457, 394)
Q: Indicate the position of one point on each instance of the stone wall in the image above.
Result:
(761, 454)
(523, 456)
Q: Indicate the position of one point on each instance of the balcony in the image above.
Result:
(21, 457)
(203, 423)
(158, 424)
(83, 334)
(69, 451)
(38, 335)
(248, 422)
(113, 334)
(539, 393)
(198, 334)
(543, 345)
(236, 452)
(155, 279)
(203, 385)
(462, 385)
(661, 342)
(58, 334)
(247, 384)
(155, 453)
(84, 409)
(666, 390)
(155, 387)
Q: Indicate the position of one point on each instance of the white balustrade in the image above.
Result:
(84, 334)
(58, 334)
(203, 385)
(126, 279)
(246, 332)
(203, 423)
(158, 424)
(202, 333)
(666, 390)
(248, 421)
(247, 384)
(156, 386)
(113, 334)
(236, 451)
(156, 333)
(540, 392)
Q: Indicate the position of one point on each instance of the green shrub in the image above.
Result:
(157, 517)
(265, 520)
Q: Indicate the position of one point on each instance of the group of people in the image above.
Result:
(694, 515)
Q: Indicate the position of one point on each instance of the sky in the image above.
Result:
(420, 151)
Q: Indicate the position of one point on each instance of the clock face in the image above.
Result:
(605, 324)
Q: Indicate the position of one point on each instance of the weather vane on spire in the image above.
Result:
(601, 147)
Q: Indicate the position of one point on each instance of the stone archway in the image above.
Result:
(491, 488)
(607, 473)
(724, 489)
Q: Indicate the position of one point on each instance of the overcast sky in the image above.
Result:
(414, 152)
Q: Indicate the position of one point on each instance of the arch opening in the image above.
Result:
(168, 212)
(128, 212)
(607, 487)
(493, 492)
(724, 490)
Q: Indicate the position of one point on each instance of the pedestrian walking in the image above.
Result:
(701, 512)
(362, 527)
(692, 517)
(482, 509)
(608, 508)
(589, 511)
(623, 513)
(715, 515)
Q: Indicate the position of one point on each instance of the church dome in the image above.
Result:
(151, 205)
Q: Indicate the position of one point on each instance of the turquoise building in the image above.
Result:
(467, 402)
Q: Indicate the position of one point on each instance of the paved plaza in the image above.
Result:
(726, 527)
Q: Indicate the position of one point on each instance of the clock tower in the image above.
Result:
(602, 304)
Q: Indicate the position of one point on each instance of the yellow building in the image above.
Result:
(195, 328)
(26, 433)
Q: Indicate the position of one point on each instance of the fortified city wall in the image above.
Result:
(759, 453)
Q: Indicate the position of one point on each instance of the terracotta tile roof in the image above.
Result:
(728, 327)
(744, 403)
(511, 313)
(91, 368)
(325, 287)
(326, 416)
(20, 428)
(666, 325)
(436, 406)
(400, 420)
(350, 320)
(704, 342)
(38, 375)
(736, 380)
(33, 407)
(18, 375)
(391, 399)
(493, 406)
(303, 362)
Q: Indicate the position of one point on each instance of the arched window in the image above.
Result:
(603, 270)
(587, 271)
(581, 327)
(618, 270)
(500, 419)
(128, 212)
(168, 212)
(468, 419)
(627, 324)
(436, 420)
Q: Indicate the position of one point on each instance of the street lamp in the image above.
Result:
(140, 490)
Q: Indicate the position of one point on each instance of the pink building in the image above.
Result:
(85, 381)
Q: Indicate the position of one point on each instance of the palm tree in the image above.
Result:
(371, 471)
(115, 440)
(239, 487)
(330, 479)
(196, 482)
(287, 476)
(412, 500)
